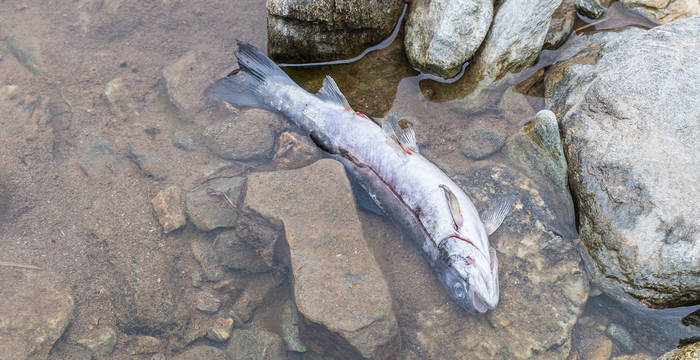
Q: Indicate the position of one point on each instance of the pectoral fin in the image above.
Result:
(494, 215)
(453, 204)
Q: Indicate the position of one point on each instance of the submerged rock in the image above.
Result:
(623, 117)
(101, 342)
(201, 352)
(516, 36)
(255, 345)
(483, 136)
(543, 285)
(294, 150)
(308, 31)
(27, 50)
(289, 324)
(250, 135)
(148, 299)
(441, 35)
(36, 309)
(208, 207)
(342, 297)
(149, 162)
(236, 254)
(664, 11)
(538, 148)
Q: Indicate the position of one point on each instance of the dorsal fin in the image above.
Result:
(394, 126)
(329, 91)
(453, 204)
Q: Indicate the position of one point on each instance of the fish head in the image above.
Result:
(471, 276)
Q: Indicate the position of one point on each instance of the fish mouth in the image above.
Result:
(479, 304)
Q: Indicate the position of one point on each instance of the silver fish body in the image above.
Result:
(419, 197)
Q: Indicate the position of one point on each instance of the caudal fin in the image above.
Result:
(246, 87)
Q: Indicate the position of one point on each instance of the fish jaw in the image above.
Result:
(470, 275)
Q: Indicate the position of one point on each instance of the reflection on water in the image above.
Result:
(72, 203)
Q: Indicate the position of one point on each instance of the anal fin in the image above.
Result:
(497, 211)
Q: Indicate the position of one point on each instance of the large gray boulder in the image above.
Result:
(441, 35)
(516, 37)
(304, 31)
(630, 117)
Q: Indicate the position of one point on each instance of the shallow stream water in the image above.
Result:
(54, 214)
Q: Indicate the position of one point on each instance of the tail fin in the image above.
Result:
(245, 87)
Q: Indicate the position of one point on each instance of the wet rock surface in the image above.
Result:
(259, 286)
(594, 9)
(543, 285)
(483, 137)
(664, 11)
(561, 25)
(637, 212)
(148, 161)
(36, 309)
(342, 298)
(441, 35)
(687, 352)
(516, 37)
(301, 31)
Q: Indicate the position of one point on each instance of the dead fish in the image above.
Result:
(385, 160)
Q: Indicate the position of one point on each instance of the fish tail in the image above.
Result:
(247, 86)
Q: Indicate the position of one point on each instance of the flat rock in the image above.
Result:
(664, 11)
(304, 31)
(542, 283)
(36, 309)
(249, 135)
(255, 345)
(208, 302)
(169, 208)
(515, 38)
(209, 209)
(441, 35)
(342, 297)
(637, 211)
